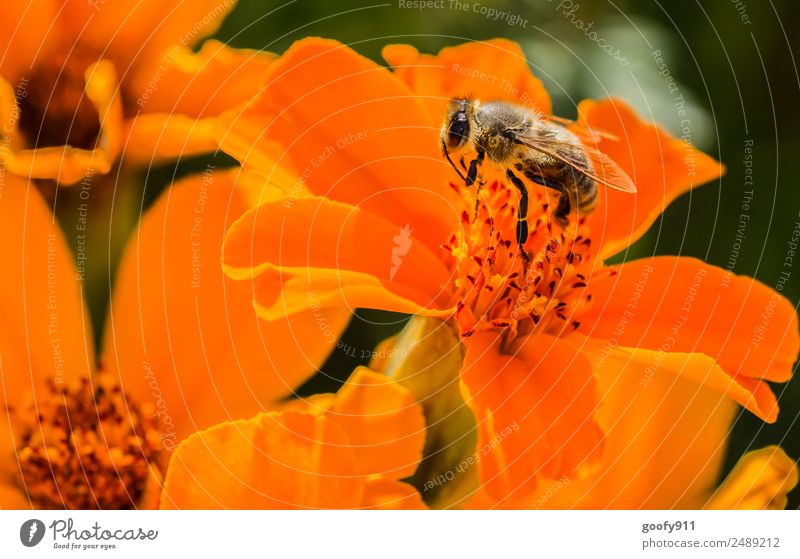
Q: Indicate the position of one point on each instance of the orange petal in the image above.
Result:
(186, 338)
(27, 32)
(754, 395)
(388, 494)
(661, 166)
(384, 424)
(329, 252)
(534, 410)
(193, 87)
(684, 305)
(66, 164)
(274, 461)
(13, 498)
(666, 435)
(204, 83)
(140, 37)
(486, 70)
(46, 333)
(355, 133)
(761, 480)
(151, 137)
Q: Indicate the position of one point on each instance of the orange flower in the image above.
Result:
(184, 350)
(388, 226)
(342, 451)
(81, 81)
(183, 337)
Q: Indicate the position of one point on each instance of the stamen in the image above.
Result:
(86, 447)
(54, 109)
(499, 290)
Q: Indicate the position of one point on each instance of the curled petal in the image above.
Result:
(665, 440)
(176, 113)
(384, 424)
(154, 136)
(682, 305)
(761, 480)
(486, 70)
(327, 253)
(273, 461)
(661, 166)
(354, 132)
(66, 164)
(27, 31)
(141, 37)
(204, 83)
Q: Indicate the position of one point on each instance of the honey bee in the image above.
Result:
(541, 149)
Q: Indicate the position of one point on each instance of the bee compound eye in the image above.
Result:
(457, 134)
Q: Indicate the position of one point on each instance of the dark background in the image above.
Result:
(739, 79)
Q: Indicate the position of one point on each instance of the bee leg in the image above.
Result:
(449, 160)
(477, 200)
(472, 174)
(522, 214)
(546, 182)
(563, 209)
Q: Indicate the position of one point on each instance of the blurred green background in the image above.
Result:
(734, 65)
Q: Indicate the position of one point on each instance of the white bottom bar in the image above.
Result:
(400, 534)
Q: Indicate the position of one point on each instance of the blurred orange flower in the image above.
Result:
(183, 350)
(82, 81)
(342, 451)
(386, 227)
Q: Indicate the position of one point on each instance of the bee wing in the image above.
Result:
(595, 134)
(603, 169)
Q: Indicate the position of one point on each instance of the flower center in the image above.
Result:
(86, 447)
(495, 287)
(54, 109)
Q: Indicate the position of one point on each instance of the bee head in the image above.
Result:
(455, 132)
